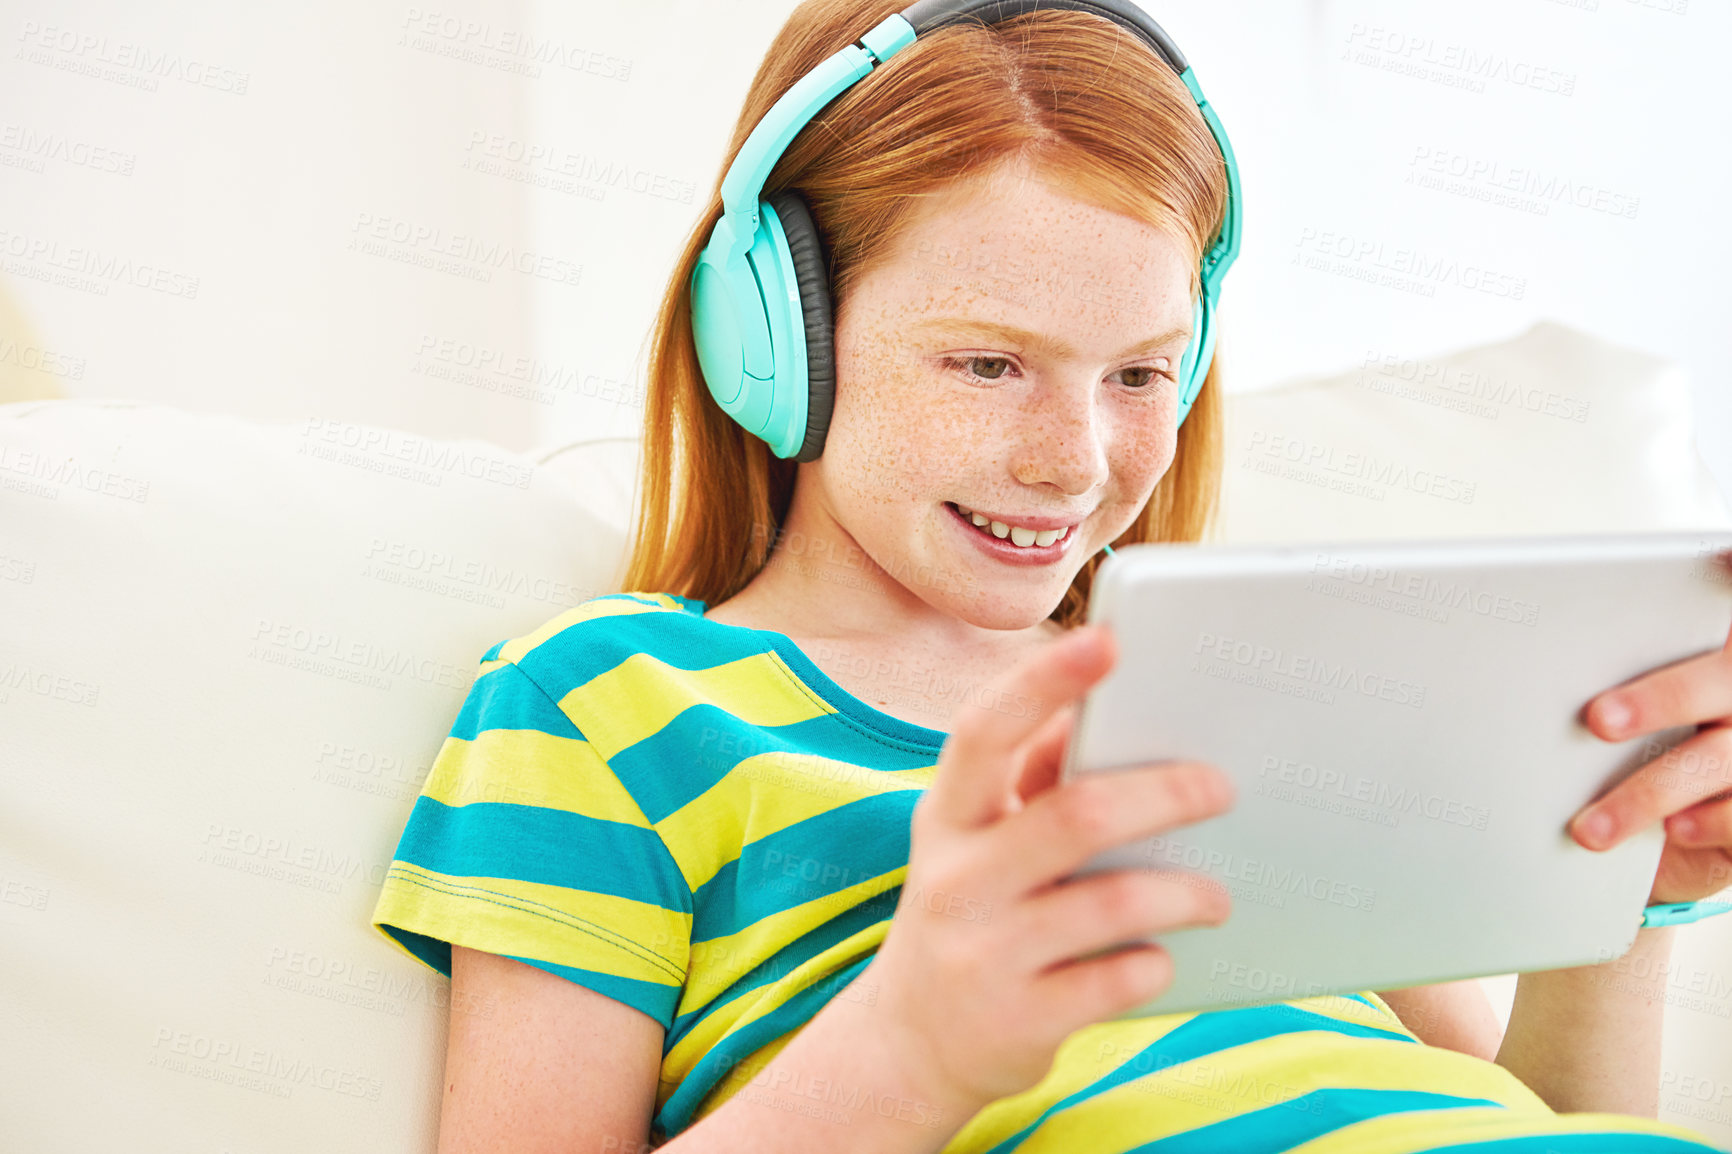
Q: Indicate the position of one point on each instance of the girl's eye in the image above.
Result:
(996, 367)
(990, 375)
(1153, 378)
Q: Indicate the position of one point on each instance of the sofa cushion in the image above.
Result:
(230, 652)
(1551, 431)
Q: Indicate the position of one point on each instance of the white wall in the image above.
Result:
(189, 202)
(569, 137)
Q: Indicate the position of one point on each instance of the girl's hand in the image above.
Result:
(1690, 786)
(977, 978)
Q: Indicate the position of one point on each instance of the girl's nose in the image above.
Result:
(1060, 442)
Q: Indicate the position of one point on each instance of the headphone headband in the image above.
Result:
(924, 15)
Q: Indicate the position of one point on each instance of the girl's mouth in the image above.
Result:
(1005, 548)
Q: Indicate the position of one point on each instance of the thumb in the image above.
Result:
(982, 761)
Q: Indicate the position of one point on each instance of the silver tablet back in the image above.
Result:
(1402, 721)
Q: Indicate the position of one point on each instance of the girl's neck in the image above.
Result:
(766, 603)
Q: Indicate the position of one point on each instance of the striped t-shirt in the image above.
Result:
(691, 818)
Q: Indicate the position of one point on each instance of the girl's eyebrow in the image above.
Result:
(1013, 335)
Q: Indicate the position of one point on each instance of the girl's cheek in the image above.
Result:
(1145, 457)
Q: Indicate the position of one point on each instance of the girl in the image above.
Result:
(782, 863)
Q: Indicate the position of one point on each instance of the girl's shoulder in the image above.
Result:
(598, 635)
(609, 616)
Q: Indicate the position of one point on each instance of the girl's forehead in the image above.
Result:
(1026, 229)
(1130, 276)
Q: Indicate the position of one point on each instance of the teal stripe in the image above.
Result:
(657, 1000)
(531, 843)
(707, 743)
(1584, 1143)
(807, 861)
(440, 958)
(684, 639)
(1299, 1120)
(652, 998)
(733, 1049)
(507, 698)
(585, 650)
(1204, 1034)
(792, 956)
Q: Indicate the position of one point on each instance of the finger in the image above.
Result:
(1057, 832)
(1043, 756)
(1093, 989)
(979, 765)
(1682, 776)
(1113, 907)
(1707, 823)
(1687, 692)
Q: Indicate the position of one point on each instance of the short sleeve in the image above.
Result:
(524, 843)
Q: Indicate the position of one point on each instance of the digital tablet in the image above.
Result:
(1402, 721)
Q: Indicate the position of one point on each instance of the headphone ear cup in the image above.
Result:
(812, 273)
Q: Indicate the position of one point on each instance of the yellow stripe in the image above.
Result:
(1268, 1073)
(762, 795)
(665, 600)
(602, 932)
(729, 1084)
(1345, 1009)
(1086, 1056)
(1393, 1020)
(720, 962)
(636, 698)
(748, 1008)
(1094, 1052)
(1412, 1134)
(519, 647)
(528, 767)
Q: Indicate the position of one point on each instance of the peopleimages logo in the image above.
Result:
(1379, 795)
(417, 243)
(405, 454)
(89, 53)
(1450, 593)
(1400, 266)
(1354, 471)
(1224, 866)
(1309, 668)
(1471, 385)
(1524, 183)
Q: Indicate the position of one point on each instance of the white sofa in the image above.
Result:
(229, 650)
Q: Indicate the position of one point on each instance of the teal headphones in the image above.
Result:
(760, 294)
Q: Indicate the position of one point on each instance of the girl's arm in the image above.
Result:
(1587, 1038)
(1454, 1015)
(535, 1064)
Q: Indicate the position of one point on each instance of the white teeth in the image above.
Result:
(1017, 534)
